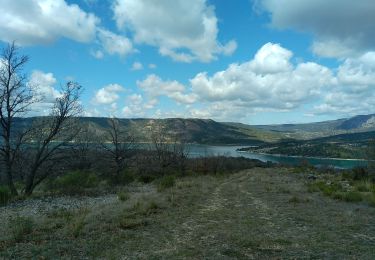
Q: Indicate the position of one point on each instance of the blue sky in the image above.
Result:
(250, 61)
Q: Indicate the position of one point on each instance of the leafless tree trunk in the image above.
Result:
(161, 146)
(15, 98)
(120, 146)
(53, 133)
(83, 148)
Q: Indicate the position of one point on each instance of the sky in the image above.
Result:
(249, 61)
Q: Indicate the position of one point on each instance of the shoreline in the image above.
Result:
(307, 157)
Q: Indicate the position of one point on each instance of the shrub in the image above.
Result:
(123, 195)
(166, 182)
(20, 227)
(147, 178)
(5, 195)
(77, 223)
(126, 177)
(75, 182)
(371, 200)
(360, 173)
(364, 186)
(352, 196)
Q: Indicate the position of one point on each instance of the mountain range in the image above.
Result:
(207, 131)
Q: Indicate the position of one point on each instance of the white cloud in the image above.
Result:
(152, 66)
(154, 86)
(45, 94)
(44, 21)
(108, 94)
(98, 54)
(183, 30)
(137, 66)
(115, 44)
(267, 81)
(353, 92)
(134, 107)
(342, 27)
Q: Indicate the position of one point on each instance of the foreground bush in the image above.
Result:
(4, 195)
(20, 227)
(166, 182)
(75, 182)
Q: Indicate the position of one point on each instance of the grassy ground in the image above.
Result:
(254, 214)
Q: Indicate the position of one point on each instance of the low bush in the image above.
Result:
(126, 177)
(5, 195)
(20, 227)
(364, 186)
(360, 173)
(353, 196)
(147, 178)
(75, 182)
(371, 200)
(123, 195)
(166, 182)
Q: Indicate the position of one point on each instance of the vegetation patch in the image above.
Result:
(5, 195)
(75, 182)
(166, 182)
(123, 195)
(20, 227)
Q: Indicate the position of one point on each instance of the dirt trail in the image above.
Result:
(268, 213)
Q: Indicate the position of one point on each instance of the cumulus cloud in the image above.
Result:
(45, 94)
(134, 107)
(114, 44)
(44, 21)
(342, 28)
(353, 92)
(154, 87)
(137, 66)
(108, 94)
(182, 30)
(269, 80)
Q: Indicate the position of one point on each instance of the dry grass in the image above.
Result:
(243, 216)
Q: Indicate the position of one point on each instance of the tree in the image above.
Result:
(51, 135)
(15, 99)
(121, 145)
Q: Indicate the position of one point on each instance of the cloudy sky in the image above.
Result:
(250, 61)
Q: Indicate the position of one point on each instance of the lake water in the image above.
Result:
(196, 150)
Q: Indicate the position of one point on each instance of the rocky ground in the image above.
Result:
(254, 214)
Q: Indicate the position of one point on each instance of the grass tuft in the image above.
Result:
(20, 227)
(166, 182)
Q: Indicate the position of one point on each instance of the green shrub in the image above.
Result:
(75, 182)
(126, 177)
(5, 195)
(20, 227)
(371, 200)
(166, 182)
(352, 196)
(147, 178)
(123, 195)
(360, 173)
(364, 186)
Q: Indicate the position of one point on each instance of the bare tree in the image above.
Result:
(51, 135)
(15, 99)
(161, 146)
(120, 147)
(171, 150)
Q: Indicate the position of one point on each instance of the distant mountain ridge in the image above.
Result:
(358, 122)
(207, 131)
(355, 124)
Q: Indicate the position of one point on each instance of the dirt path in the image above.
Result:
(254, 214)
(268, 213)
